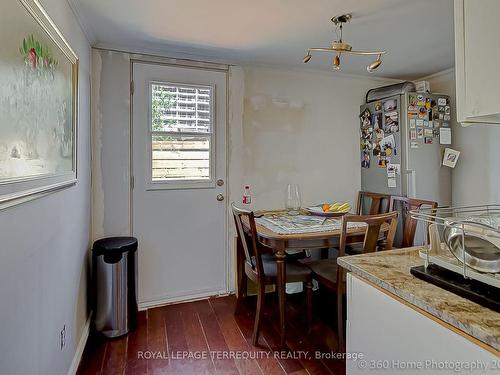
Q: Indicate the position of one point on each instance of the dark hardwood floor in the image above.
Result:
(167, 338)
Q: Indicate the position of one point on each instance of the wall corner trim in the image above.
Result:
(80, 347)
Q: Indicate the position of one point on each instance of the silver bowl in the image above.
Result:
(480, 240)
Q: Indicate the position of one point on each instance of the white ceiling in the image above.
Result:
(418, 35)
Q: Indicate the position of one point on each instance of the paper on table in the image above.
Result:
(445, 136)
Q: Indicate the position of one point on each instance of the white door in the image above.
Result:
(179, 169)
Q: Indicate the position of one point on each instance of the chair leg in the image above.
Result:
(340, 321)
(309, 294)
(242, 293)
(261, 296)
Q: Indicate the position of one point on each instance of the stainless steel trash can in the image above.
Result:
(114, 262)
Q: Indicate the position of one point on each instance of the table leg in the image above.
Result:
(281, 280)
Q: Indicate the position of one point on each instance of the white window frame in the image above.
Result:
(181, 184)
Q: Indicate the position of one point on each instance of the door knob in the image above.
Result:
(220, 197)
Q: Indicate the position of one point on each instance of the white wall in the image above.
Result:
(476, 177)
(43, 256)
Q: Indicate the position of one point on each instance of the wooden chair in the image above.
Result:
(261, 268)
(330, 275)
(376, 205)
(379, 204)
(405, 205)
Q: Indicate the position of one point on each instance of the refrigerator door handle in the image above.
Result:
(411, 183)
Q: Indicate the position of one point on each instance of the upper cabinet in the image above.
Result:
(477, 61)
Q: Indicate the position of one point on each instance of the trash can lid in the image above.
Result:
(114, 245)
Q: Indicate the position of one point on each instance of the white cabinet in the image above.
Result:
(393, 338)
(477, 60)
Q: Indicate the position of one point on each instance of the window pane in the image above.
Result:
(177, 108)
(180, 158)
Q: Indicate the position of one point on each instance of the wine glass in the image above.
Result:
(292, 203)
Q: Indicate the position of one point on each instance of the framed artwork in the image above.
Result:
(38, 104)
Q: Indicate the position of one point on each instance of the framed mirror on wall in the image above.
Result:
(38, 104)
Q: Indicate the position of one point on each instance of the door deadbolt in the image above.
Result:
(220, 182)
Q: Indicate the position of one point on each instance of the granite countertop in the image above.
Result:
(390, 270)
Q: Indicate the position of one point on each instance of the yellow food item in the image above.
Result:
(325, 207)
(339, 207)
(334, 207)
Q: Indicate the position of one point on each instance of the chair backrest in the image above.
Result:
(379, 203)
(374, 224)
(248, 241)
(405, 205)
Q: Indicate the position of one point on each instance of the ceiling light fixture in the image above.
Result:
(339, 46)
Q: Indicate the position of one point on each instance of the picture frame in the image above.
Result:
(38, 105)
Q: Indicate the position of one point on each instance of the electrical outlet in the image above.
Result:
(63, 337)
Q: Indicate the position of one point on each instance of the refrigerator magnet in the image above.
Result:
(441, 101)
(447, 110)
(428, 133)
(396, 168)
(377, 120)
(428, 140)
(450, 157)
(388, 146)
(413, 144)
(365, 159)
(420, 133)
(428, 103)
(413, 134)
(412, 100)
(391, 123)
(391, 182)
(446, 124)
(426, 124)
(366, 118)
(378, 106)
(446, 117)
(379, 135)
(441, 116)
(445, 136)
(413, 123)
(420, 122)
(390, 105)
(366, 133)
(420, 100)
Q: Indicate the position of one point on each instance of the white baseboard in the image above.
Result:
(178, 299)
(80, 347)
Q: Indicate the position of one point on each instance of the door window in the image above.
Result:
(181, 135)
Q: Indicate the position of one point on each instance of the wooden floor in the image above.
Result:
(166, 336)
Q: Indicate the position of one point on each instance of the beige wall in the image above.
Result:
(44, 251)
(476, 178)
(301, 127)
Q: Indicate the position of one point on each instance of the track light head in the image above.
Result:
(374, 65)
(307, 58)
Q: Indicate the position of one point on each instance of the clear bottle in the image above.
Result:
(247, 198)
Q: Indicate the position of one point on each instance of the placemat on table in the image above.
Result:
(286, 224)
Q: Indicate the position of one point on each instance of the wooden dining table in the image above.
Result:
(279, 243)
